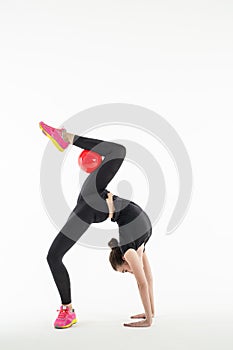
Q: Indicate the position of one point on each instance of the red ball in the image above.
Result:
(89, 161)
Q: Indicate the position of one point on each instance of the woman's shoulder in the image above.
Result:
(139, 251)
(133, 245)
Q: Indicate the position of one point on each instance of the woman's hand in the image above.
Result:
(140, 316)
(144, 323)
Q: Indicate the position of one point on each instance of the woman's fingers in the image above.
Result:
(133, 324)
(143, 323)
(139, 316)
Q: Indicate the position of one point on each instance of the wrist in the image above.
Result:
(149, 317)
(149, 320)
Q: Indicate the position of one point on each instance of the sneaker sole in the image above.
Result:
(68, 325)
(52, 139)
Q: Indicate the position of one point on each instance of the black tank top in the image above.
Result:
(134, 224)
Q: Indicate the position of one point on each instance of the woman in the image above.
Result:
(96, 204)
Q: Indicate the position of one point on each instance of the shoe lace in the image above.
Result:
(62, 313)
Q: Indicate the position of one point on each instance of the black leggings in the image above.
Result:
(74, 228)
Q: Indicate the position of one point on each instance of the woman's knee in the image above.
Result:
(121, 150)
(58, 249)
(53, 258)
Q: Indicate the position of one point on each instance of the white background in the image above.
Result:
(174, 57)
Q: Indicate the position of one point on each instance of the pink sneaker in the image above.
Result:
(66, 318)
(55, 135)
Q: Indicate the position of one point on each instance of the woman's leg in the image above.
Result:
(74, 228)
(65, 239)
(114, 154)
(59, 247)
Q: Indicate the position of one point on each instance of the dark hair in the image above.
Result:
(115, 256)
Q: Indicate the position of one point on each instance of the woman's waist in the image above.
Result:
(125, 210)
(114, 206)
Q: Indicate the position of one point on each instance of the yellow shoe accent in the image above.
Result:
(52, 139)
(69, 325)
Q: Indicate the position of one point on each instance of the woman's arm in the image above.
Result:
(149, 277)
(135, 263)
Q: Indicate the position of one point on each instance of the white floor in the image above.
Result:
(184, 331)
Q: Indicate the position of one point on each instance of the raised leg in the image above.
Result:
(114, 154)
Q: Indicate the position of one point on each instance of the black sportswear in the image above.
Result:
(134, 224)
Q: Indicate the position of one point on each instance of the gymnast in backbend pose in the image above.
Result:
(96, 204)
